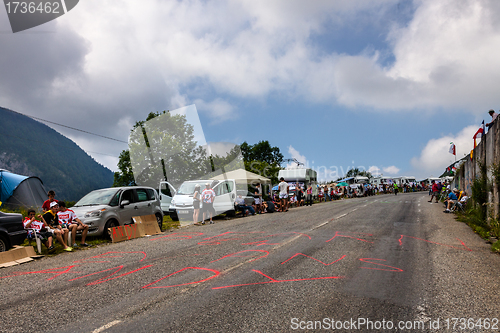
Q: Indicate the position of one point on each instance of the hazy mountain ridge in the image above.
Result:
(30, 148)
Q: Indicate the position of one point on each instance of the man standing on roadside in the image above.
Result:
(207, 196)
(435, 191)
(283, 186)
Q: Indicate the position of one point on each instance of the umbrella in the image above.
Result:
(342, 184)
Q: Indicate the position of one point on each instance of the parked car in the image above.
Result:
(11, 230)
(181, 205)
(112, 207)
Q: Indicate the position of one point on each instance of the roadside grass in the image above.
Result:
(495, 247)
(168, 223)
(473, 218)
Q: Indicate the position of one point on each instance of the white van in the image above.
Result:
(181, 205)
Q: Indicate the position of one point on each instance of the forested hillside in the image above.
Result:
(30, 148)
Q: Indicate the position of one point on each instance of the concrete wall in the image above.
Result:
(488, 153)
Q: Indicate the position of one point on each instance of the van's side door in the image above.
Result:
(225, 194)
(166, 193)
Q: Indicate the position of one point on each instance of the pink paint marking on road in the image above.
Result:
(57, 271)
(454, 247)
(305, 255)
(105, 255)
(278, 281)
(260, 243)
(380, 269)
(347, 236)
(104, 279)
(215, 272)
(217, 241)
(234, 255)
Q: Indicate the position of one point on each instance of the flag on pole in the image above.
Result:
(452, 149)
(480, 132)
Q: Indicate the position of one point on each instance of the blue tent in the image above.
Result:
(21, 191)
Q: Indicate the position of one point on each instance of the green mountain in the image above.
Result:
(30, 148)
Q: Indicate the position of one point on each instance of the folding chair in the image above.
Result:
(458, 206)
(37, 239)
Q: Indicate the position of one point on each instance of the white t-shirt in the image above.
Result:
(283, 188)
(67, 217)
(37, 225)
(208, 195)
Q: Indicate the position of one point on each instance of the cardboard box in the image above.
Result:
(143, 225)
(147, 224)
(125, 232)
(16, 253)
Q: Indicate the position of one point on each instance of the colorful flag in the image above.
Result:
(480, 132)
(452, 149)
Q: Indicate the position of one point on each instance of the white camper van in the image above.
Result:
(300, 175)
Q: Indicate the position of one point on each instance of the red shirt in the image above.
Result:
(46, 204)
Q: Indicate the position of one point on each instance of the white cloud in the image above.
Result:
(296, 155)
(218, 110)
(445, 57)
(391, 170)
(435, 156)
(107, 61)
(374, 170)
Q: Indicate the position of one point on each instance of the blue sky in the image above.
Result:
(383, 84)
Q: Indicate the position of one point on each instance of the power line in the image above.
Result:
(76, 129)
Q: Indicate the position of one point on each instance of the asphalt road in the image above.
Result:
(362, 264)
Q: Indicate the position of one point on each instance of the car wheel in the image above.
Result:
(109, 224)
(159, 219)
(4, 245)
(174, 217)
(231, 213)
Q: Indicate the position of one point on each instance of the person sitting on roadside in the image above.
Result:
(39, 229)
(241, 205)
(494, 116)
(46, 204)
(269, 206)
(68, 220)
(463, 199)
(51, 219)
(451, 200)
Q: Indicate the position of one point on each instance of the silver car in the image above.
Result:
(112, 207)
